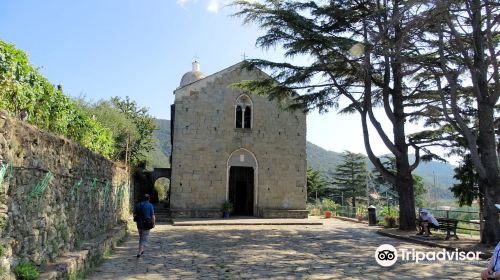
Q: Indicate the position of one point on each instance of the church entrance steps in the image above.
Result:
(162, 214)
(244, 221)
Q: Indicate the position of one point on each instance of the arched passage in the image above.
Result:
(160, 178)
(242, 181)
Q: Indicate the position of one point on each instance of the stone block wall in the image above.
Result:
(55, 194)
(205, 138)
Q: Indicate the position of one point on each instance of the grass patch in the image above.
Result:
(26, 271)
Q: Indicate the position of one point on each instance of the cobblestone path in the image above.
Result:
(336, 250)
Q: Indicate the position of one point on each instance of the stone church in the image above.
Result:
(231, 145)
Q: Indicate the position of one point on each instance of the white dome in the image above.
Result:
(192, 76)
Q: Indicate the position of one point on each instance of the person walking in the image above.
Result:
(144, 216)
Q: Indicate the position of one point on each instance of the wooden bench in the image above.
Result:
(446, 224)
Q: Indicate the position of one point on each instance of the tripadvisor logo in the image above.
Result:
(386, 255)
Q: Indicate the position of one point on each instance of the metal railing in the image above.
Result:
(350, 212)
(468, 221)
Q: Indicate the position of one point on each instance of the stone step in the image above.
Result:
(245, 221)
(70, 263)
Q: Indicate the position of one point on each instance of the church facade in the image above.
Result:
(230, 145)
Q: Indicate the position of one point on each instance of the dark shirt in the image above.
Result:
(144, 210)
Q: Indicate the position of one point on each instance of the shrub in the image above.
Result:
(26, 271)
(361, 213)
(391, 211)
(329, 205)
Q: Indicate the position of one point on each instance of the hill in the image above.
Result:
(159, 156)
(322, 160)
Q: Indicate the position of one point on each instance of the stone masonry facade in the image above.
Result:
(44, 214)
(206, 143)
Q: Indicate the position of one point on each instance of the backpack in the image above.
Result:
(147, 223)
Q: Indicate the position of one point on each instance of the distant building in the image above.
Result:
(231, 145)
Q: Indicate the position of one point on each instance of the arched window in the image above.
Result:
(243, 112)
(239, 117)
(248, 117)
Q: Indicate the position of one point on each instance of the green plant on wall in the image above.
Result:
(119, 195)
(106, 192)
(62, 231)
(3, 222)
(75, 195)
(2, 250)
(40, 187)
(93, 185)
(3, 172)
(26, 271)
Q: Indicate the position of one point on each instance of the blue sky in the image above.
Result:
(141, 49)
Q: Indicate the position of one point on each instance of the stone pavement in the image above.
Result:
(336, 250)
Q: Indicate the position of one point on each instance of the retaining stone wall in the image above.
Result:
(85, 194)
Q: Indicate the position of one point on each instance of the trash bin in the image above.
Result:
(372, 215)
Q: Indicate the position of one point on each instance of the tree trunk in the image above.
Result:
(404, 182)
(489, 159)
(406, 199)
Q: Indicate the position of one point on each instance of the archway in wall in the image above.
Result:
(242, 182)
(162, 188)
(161, 183)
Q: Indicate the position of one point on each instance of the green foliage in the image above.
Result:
(2, 250)
(161, 187)
(361, 211)
(351, 175)
(63, 232)
(315, 183)
(390, 211)
(467, 190)
(75, 195)
(40, 187)
(24, 89)
(159, 155)
(131, 127)
(3, 272)
(419, 188)
(227, 206)
(329, 205)
(26, 271)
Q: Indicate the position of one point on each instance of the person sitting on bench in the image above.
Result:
(426, 222)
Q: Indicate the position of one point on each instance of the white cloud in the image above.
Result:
(182, 3)
(213, 6)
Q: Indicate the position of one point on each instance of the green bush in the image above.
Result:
(328, 205)
(24, 89)
(391, 211)
(26, 271)
(2, 250)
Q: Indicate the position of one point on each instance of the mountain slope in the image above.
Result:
(322, 160)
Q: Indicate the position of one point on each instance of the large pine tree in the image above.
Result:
(359, 50)
(350, 176)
